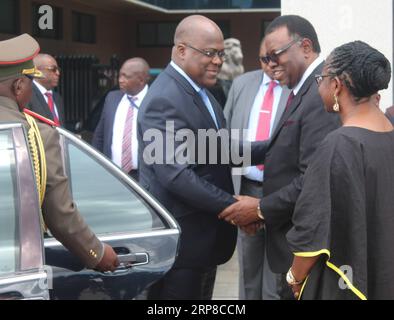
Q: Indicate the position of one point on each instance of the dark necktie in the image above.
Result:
(289, 101)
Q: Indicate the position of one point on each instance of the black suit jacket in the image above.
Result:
(39, 105)
(301, 129)
(102, 138)
(194, 193)
(390, 114)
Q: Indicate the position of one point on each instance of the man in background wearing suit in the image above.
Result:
(116, 132)
(44, 100)
(195, 192)
(293, 55)
(390, 114)
(255, 102)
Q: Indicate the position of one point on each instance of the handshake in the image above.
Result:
(244, 213)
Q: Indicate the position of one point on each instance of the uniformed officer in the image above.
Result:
(59, 213)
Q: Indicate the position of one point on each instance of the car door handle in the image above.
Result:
(134, 259)
(127, 261)
(130, 260)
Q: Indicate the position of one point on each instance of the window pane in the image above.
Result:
(87, 28)
(9, 21)
(156, 34)
(165, 34)
(107, 204)
(75, 26)
(224, 25)
(214, 4)
(9, 252)
(146, 34)
(83, 27)
(264, 25)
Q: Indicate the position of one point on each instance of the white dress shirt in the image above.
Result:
(253, 173)
(306, 74)
(119, 124)
(43, 91)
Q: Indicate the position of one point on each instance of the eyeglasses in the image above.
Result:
(53, 68)
(274, 57)
(319, 77)
(210, 53)
(29, 76)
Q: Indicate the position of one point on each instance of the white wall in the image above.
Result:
(340, 21)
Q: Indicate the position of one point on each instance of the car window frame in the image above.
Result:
(31, 255)
(171, 226)
(29, 280)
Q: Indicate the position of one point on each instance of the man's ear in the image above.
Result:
(17, 86)
(307, 46)
(180, 50)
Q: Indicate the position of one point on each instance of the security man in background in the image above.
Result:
(60, 214)
(45, 101)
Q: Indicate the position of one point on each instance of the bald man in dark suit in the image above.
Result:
(194, 193)
(45, 101)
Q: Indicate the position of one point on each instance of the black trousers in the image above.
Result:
(185, 284)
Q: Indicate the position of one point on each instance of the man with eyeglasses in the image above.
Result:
(255, 103)
(193, 191)
(293, 55)
(45, 101)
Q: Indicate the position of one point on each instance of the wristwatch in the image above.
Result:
(259, 213)
(291, 280)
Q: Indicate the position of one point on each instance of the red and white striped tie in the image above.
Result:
(127, 164)
(264, 124)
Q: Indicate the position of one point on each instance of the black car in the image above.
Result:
(120, 212)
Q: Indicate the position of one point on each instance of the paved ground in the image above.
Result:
(226, 285)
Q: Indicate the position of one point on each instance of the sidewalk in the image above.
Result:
(226, 285)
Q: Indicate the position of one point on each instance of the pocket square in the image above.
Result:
(288, 123)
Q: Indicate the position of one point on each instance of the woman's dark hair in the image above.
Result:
(297, 26)
(363, 69)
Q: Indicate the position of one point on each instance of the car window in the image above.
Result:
(108, 204)
(9, 253)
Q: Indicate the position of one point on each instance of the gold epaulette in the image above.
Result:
(37, 152)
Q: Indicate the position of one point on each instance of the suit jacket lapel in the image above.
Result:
(281, 106)
(218, 111)
(59, 107)
(113, 107)
(296, 101)
(42, 104)
(190, 90)
(204, 110)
